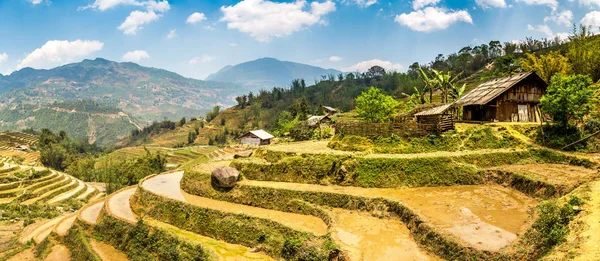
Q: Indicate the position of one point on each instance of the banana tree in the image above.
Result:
(431, 83)
(457, 91)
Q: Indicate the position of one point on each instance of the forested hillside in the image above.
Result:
(85, 120)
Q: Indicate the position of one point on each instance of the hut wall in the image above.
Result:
(517, 104)
(436, 123)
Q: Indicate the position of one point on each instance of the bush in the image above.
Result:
(557, 136)
(301, 132)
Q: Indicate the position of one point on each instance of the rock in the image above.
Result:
(225, 177)
(243, 154)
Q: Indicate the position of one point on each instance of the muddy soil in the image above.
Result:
(553, 173)
(107, 252)
(90, 214)
(58, 253)
(365, 237)
(476, 214)
(120, 207)
(168, 185)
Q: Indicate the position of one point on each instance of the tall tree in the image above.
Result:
(569, 98)
(374, 106)
(546, 65)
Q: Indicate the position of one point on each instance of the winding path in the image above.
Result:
(168, 185)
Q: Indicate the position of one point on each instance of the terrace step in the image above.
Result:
(88, 191)
(107, 252)
(39, 232)
(80, 187)
(62, 228)
(44, 197)
(91, 213)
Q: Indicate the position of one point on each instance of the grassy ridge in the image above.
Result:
(383, 172)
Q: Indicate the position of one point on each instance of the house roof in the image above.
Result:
(435, 110)
(261, 134)
(313, 120)
(489, 90)
(329, 108)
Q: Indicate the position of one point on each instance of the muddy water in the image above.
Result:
(365, 237)
(486, 216)
(63, 227)
(168, 185)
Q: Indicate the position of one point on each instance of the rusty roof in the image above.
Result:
(489, 90)
(435, 110)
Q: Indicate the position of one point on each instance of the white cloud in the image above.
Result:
(195, 18)
(563, 18)
(135, 56)
(361, 3)
(335, 58)
(103, 5)
(3, 57)
(365, 65)
(432, 19)
(135, 20)
(541, 28)
(418, 4)
(551, 3)
(36, 2)
(233, 44)
(172, 34)
(562, 36)
(203, 59)
(590, 3)
(592, 19)
(491, 3)
(151, 5)
(263, 19)
(54, 53)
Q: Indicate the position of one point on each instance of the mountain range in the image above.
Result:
(266, 73)
(102, 101)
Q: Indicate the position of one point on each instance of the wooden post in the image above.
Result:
(580, 140)
(541, 125)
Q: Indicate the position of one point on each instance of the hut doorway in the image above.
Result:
(523, 110)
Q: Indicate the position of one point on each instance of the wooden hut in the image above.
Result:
(437, 119)
(256, 138)
(513, 98)
(319, 121)
(329, 111)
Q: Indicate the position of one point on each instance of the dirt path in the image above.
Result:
(591, 235)
(224, 251)
(62, 229)
(107, 252)
(68, 194)
(476, 214)
(118, 204)
(58, 253)
(368, 238)
(90, 214)
(558, 174)
(168, 185)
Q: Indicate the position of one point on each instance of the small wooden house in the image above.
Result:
(256, 138)
(329, 111)
(513, 98)
(318, 121)
(437, 119)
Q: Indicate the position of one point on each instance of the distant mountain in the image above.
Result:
(269, 73)
(144, 92)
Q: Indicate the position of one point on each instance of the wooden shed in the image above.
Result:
(329, 111)
(256, 138)
(437, 119)
(513, 98)
(318, 121)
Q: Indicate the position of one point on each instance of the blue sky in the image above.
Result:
(196, 38)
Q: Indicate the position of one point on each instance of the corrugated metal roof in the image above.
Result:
(435, 110)
(329, 108)
(489, 90)
(261, 134)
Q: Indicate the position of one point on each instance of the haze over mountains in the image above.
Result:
(266, 73)
(101, 100)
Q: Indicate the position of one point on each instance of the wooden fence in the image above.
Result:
(374, 130)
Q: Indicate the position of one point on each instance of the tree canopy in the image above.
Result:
(374, 106)
(569, 98)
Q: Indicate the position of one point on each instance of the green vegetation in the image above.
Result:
(569, 99)
(389, 172)
(272, 237)
(142, 242)
(79, 245)
(374, 106)
(552, 226)
(471, 139)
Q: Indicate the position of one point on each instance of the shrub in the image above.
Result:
(557, 136)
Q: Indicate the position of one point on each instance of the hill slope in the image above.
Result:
(149, 93)
(268, 73)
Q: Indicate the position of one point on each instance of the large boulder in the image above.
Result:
(243, 154)
(225, 177)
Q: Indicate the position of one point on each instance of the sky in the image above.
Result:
(198, 37)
